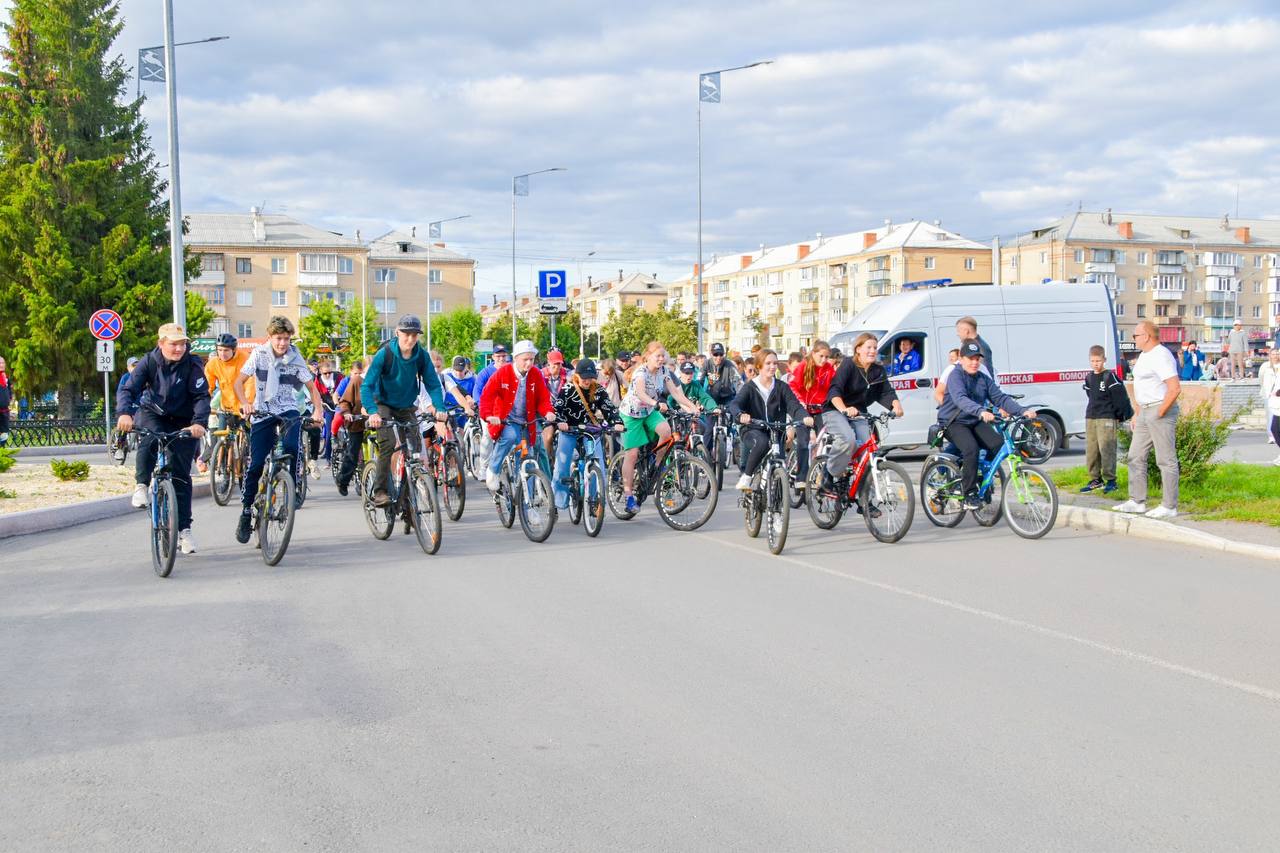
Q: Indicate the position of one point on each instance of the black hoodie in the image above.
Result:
(178, 389)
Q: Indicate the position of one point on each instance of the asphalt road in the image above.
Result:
(962, 690)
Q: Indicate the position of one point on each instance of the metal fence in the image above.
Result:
(53, 432)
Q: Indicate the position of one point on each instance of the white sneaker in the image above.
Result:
(186, 542)
(313, 469)
(1276, 461)
(141, 496)
(1130, 506)
(1162, 512)
(492, 481)
(743, 484)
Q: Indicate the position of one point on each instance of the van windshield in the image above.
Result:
(843, 341)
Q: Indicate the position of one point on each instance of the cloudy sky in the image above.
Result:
(991, 117)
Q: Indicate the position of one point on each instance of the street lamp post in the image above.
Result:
(520, 186)
(433, 233)
(582, 310)
(709, 92)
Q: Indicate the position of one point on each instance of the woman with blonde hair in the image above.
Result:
(858, 382)
(581, 402)
(643, 410)
(611, 381)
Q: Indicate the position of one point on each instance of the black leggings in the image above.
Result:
(1275, 428)
(755, 444)
(968, 437)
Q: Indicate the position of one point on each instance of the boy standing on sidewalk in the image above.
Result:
(1108, 408)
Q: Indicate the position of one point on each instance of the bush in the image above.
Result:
(1198, 437)
(7, 494)
(8, 458)
(69, 471)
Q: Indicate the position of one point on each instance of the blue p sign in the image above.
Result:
(551, 284)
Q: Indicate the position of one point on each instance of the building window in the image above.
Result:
(1195, 260)
(216, 295)
(640, 303)
(244, 330)
(385, 306)
(1257, 312)
(1182, 310)
(211, 263)
(317, 263)
(1198, 283)
(1162, 310)
(1257, 287)
(244, 298)
(437, 306)
(348, 298)
(1121, 334)
(279, 266)
(344, 266)
(1013, 261)
(1119, 309)
(1120, 257)
(930, 263)
(1142, 284)
(278, 299)
(384, 275)
(1142, 311)
(1257, 262)
(968, 263)
(1119, 285)
(436, 276)
(1044, 257)
(1079, 256)
(1142, 259)
(1199, 310)
(244, 266)
(1239, 310)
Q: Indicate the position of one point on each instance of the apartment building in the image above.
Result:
(596, 301)
(256, 265)
(1192, 276)
(789, 296)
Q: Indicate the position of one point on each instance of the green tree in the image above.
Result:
(199, 315)
(323, 326)
(362, 323)
(499, 331)
(566, 334)
(456, 333)
(82, 225)
(632, 328)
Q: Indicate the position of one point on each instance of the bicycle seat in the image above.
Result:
(1017, 396)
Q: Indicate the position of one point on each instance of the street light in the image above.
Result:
(709, 92)
(520, 186)
(582, 337)
(433, 233)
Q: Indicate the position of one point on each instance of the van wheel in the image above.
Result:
(1042, 440)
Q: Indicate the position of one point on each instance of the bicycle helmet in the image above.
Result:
(226, 339)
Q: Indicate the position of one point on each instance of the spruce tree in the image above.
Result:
(82, 223)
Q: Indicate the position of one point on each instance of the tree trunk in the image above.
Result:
(68, 397)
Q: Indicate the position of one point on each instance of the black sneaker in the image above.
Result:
(342, 489)
(972, 502)
(243, 526)
(381, 498)
(1109, 487)
(1091, 486)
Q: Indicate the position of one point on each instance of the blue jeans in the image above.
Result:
(507, 440)
(262, 440)
(565, 446)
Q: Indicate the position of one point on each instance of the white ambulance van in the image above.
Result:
(1039, 335)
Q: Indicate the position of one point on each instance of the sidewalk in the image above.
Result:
(1234, 531)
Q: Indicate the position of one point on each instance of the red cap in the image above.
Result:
(555, 357)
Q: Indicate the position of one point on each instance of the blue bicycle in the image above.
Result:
(1022, 493)
(586, 479)
(163, 501)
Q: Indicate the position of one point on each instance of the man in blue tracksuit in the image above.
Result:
(967, 419)
(168, 392)
(500, 357)
(399, 369)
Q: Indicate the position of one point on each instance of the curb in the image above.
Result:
(55, 518)
(1107, 521)
(65, 450)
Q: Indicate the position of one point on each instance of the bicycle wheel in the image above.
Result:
(888, 501)
(777, 509)
(593, 498)
(940, 495)
(425, 514)
(381, 519)
(221, 476)
(300, 481)
(337, 451)
(752, 514)
(615, 493)
(505, 500)
(1030, 502)
(164, 526)
(795, 496)
(719, 454)
(825, 509)
(454, 483)
(536, 504)
(992, 502)
(680, 484)
(575, 492)
(275, 516)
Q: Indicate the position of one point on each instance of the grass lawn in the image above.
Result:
(1233, 491)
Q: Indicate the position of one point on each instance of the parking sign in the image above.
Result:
(553, 292)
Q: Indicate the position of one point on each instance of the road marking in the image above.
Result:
(1126, 654)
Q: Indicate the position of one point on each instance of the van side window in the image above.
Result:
(903, 354)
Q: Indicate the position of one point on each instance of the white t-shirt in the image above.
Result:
(1150, 372)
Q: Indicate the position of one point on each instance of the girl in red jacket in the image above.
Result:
(811, 382)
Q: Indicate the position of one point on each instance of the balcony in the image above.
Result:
(808, 327)
(327, 279)
(1222, 284)
(1092, 267)
(1273, 281)
(1219, 270)
(1220, 297)
(838, 303)
(210, 278)
(1220, 322)
(1166, 293)
(1170, 269)
(879, 288)
(809, 295)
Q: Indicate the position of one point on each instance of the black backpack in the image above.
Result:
(6, 396)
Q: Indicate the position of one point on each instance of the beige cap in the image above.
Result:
(172, 332)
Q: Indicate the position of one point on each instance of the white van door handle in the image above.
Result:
(923, 383)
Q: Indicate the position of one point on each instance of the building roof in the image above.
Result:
(637, 282)
(924, 235)
(274, 229)
(909, 235)
(388, 248)
(1188, 231)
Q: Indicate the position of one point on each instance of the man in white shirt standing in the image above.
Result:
(1156, 389)
(1237, 348)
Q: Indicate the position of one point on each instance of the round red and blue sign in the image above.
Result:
(106, 324)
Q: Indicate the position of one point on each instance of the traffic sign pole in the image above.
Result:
(106, 352)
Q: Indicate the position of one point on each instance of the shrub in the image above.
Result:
(7, 494)
(68, 471)
(1198, 437)
(8, 458)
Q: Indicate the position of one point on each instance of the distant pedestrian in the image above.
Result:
(1269, 390)
(6, 399)
(1192, 363)
(1108, 407)
(1156, 387)
(1237, 347)
(1222, 368)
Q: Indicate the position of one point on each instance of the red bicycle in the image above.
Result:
(879, 489)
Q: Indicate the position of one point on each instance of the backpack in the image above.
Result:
(6, 396)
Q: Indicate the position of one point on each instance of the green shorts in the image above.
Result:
(641, 431)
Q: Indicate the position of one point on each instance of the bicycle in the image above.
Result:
(275, 504)
(723, 443)
(879, 489)
(586, 479)
(121, 444)
(444, 461)
(524, 489)
(674, 476)
(1025, 496)
(227, 459)
(163, 501)
(768, 501)
(471, 443)
(416, 503)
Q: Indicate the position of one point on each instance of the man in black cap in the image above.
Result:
(967, 418)
(623, 361)
(722, 381)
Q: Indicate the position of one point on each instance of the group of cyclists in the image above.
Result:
(626, 407)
